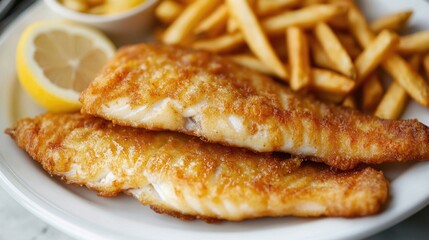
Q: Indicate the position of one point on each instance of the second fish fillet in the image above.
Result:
(187, 178)
(161, 87)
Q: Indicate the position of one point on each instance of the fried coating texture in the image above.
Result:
(187, 178)
(160, 87)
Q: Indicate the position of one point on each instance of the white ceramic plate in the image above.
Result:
(82, 214)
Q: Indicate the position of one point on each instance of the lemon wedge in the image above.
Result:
(58, 60)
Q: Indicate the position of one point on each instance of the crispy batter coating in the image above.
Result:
(161, 87)
(188, 178)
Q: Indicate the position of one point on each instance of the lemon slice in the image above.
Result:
(57, 60)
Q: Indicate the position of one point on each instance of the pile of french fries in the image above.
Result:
(323, 46)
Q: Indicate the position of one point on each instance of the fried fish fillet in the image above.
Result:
(169, 88)
(188, 178)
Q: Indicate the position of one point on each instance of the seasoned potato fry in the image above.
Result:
(250, 61)
(319, 56)
(231, 25)
(299, 58)
(350, 102)
(426, 64)
(334, 50)
(397, 67)
(372, 93)
(373, 55)
(221, 44)
(304, 17)
(330, 82)
(394, 22)
(350, 44)
(359, 27)
(267, 7)
(414, 43)
(254, 35)
(167, 11)
(409, 79)
(395, 100)
(214, 23)
(188, 20)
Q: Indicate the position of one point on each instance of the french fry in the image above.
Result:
(267, 7)
(359, 27)
(414, 43)
(339, 22)
(188, 20)
(254, 35)
(319, 56)
(350, 44)
(299, 61)
(214, 23)
(373, 55)
(350, 102)
(426, 64)
(231, 25)
(372, 93)
(167, 11)
(221, 44)
(397, 67)
(395, 100)
(250, 61)
(330, 82)
(334, 50)
(409, 79)
(304, 17)
(394, 22)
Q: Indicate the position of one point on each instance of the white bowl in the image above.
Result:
(127, 27)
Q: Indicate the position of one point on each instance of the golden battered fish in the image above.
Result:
(185, 177)
(169, 88)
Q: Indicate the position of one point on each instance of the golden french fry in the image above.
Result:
(329, 81)
(426, 64)
(214, 23)
(372, 92)
(231, 25)
(395, 100)
(373, 55)
(167, 11)
(221, 44)
(304, 17)
(414, 43)
(409, 79)
(334, 50)
(254, 35)
(350, 44)
(319, 56)
(350, 102)
(395, 21)
(297, 45)
(191, 16)
(359, 27)
(397, 67)
(250, 61)
(267, 7)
